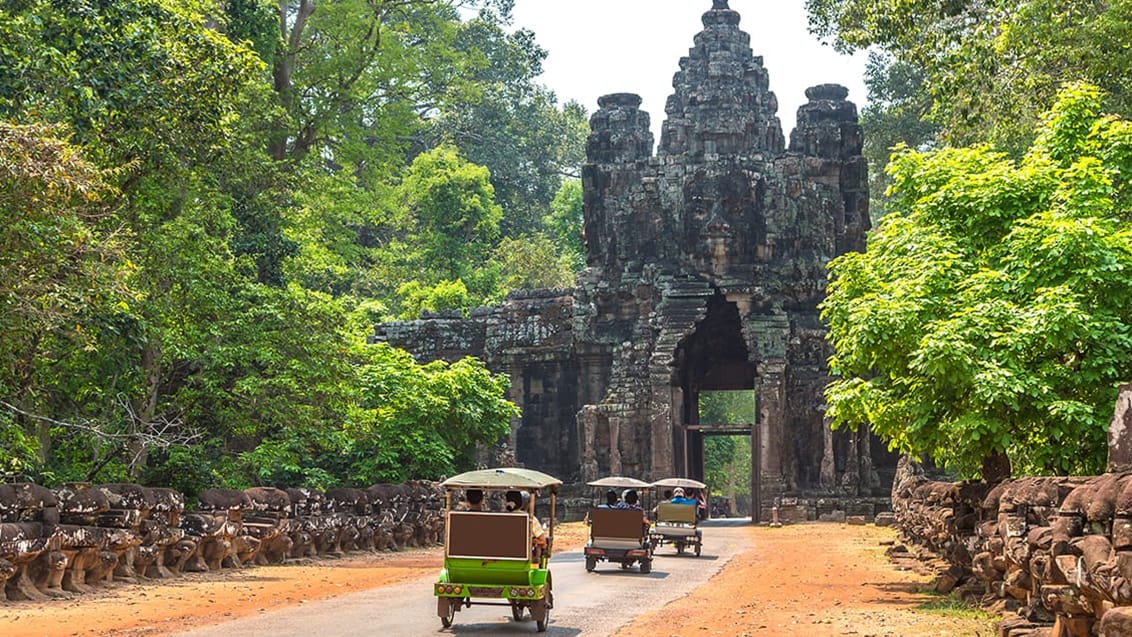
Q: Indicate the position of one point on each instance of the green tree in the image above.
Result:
(564, 222)
(451, 218)
(531, 261)
(410, 421)
(989, 319)
(221, 205)
(348, 76)
(896, 114)
(727, 459)
(727, 465)
(991, 68)
(510, 124)
(61, 261)
(154, 97)
(445, 295)
(388, 81)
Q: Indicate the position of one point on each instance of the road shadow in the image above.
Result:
(508, 626)
(617, 571)
(722, 522)
(911, 588)
(706, 557)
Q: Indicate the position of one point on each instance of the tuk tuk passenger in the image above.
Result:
(519, 501)
(630, 500)
(678, 497)
(473, 500)
(611, 502)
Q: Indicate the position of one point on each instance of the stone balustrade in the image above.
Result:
(1054, 553)
(56, 543)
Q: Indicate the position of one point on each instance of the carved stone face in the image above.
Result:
(56, 561)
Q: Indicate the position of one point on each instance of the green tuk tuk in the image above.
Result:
(489, 556)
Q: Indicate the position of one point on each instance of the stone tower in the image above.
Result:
(706, 263)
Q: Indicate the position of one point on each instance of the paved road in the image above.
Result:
(593, 604)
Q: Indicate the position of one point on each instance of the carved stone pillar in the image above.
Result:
(615, 446)
(587, 431)
(828, 475)
(771, 388)
(1120, 432)
(852, 477)
(665, 410)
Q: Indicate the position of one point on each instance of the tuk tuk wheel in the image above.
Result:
(446, 608)
(540, 608)
(679, 548)
(646, 565)
(516, 611)
(540, 624)
(591, 562)
(697, 550)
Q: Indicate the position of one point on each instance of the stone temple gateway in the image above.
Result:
(706, 263)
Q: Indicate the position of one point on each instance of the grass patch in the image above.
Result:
(952, 606)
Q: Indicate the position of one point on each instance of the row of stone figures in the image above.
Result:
(1054, 552)
(54, 543)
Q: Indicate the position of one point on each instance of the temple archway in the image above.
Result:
(706, 266)
(713, 361)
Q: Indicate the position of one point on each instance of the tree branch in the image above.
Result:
(161, 433)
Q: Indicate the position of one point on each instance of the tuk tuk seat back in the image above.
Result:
(617, 524)
(616, 543)
(500, 536)
(488, 548)
(679, 513)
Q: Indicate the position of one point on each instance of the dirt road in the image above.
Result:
(812, 579)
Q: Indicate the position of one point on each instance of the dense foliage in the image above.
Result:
(727, 458)
(209, 204)
(991, 67)
(964, 72)
(991, 316)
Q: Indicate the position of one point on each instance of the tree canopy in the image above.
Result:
(991, 67)
(209, 204)
(989, 316)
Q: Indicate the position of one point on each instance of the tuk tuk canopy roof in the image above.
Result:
(684, 483)
(619, 482)
(502, 478)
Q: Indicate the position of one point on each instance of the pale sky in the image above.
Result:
(596, 47)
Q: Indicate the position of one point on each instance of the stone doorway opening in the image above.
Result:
(717, 379)
(724, 435)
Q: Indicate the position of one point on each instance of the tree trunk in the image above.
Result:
(145, 407)
(292, 23)
(732, 469)
(43, 438)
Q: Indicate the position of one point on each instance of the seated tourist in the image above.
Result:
(630, 500)
(473, 501)
(678, 497)
(520, 501)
